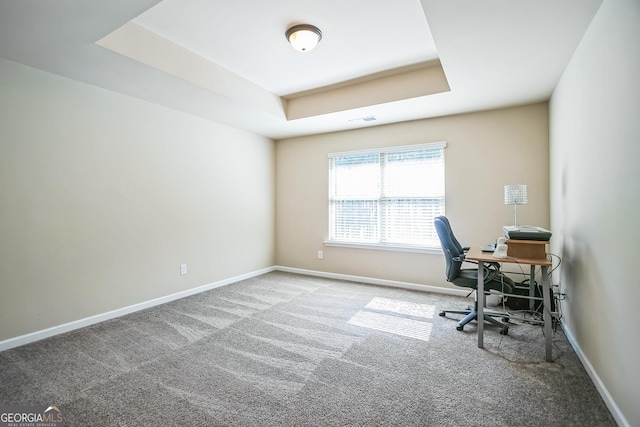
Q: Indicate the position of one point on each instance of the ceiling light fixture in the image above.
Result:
(304, 37)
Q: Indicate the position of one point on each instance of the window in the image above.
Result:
(387, 198)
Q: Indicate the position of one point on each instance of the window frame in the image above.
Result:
(381, 198)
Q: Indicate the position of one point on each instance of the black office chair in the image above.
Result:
(468, 278)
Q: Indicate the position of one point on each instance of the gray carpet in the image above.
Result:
(290, 350)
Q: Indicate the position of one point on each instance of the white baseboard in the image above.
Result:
(81, 323)
(604, 393)
(374, 281)
(77, 324)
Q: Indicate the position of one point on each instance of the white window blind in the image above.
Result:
(387, 197)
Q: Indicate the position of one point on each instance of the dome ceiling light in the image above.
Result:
(304, 37)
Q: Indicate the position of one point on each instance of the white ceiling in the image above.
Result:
(360, 37)
(230, 62)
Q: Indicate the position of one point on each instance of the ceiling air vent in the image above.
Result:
(363, 119)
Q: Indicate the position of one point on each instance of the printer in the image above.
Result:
(526, 232)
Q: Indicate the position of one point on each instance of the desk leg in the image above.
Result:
(546, 297)
(480, 297)
(532, 288)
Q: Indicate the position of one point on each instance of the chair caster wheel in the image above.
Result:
(459, 328)
(442, 314)
(504, 331)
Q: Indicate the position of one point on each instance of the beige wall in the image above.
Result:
(103, 196)
(484, 152)
(595, 196)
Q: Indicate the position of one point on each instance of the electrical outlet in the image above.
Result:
(320, 255)
(183, 268)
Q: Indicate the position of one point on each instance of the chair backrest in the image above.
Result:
(453, 237)
(452, 249)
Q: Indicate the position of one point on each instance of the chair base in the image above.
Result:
(472, 314)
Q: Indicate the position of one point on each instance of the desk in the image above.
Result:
(526, 248)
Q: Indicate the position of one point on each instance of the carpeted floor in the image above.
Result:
(290, 350)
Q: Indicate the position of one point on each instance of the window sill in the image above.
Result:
(382, 247)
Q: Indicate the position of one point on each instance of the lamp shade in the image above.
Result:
(515, 194)
(304, 37)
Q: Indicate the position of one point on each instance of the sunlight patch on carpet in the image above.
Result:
(402, 307)
(396, 325)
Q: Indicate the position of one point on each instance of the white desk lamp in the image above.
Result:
(515, 195)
